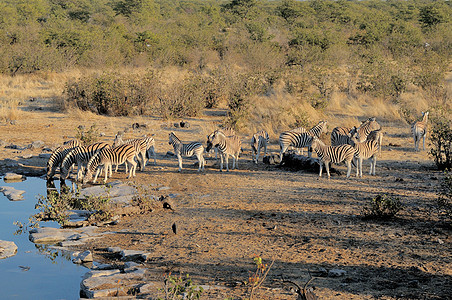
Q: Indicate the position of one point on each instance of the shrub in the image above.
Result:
(89, 136)
(114, 94)
(382, 207)
(444, 201)
(441, 142)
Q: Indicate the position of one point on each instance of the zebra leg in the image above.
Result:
(179, 159)
(373, 164)
(221, 162)
(309, 152)
(227, 162)
(321, 167)
(200, 162)
(423, 141)
(153, 154)
(360, 167)
(356, 163)
(133, 167)
(327, 166)
(349, 167)
(97, 174)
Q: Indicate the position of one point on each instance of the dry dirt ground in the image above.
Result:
(302, 223)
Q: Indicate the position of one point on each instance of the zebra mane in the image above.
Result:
(172, 134)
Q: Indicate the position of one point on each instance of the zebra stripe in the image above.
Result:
(341, 136)
(58, 155)
(258, 141)
(80, 156)
(299, 139)
(227, 146)
(377, 136)
(333, 154)
(419, 130)
(365, 150)
(108, 157)
(144, 146)
(228, 131)
(188, 150)
(366, 127)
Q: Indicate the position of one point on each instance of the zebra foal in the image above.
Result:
(258, 141)
(193, 148)
(365, 150)
(333, 154)
(228, 131)
(108, 157)
(419, 130)
(300, 138)
(227, 146)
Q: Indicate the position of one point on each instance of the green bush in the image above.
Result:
(382, 207)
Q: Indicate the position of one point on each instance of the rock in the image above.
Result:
(109, 283)
(163, 188)
(118, 193)
(13, 177)
(184, 124)
(2, 143)
(170, 153)
(36, 145)
(83, 257)
(44, 155)
(49, 235)
(115, 250)
(336, 273)
(7, 249)
(134, 255)
(11, 193)
(177, 125)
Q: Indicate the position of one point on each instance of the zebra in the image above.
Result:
(108, 157)
(376, 135)
(228, 131)
(79, 155)
(58, 155)
(365, 128)
(341, 135)
(227, 146)
(333, 154)
(365, 150)
(142, 145)
(259, 140)
(419, 130)
(300, 138)
(188, 150)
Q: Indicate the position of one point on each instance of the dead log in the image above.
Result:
(296, 162)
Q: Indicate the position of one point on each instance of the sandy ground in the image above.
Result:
(302, 223)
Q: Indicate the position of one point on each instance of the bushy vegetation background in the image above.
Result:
(232, 52)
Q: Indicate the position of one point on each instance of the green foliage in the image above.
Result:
(435, 13)
(89, 136)
(444, 201)
(256, 279)
(180, 287)
(382, 207)
(441, 141)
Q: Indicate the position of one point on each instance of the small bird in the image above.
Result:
(174, 228)
(24, 268)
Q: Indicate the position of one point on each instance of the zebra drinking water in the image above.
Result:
(108, 157)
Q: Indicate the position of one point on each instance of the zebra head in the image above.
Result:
(173, 139)
(118, 140)
(316, 143)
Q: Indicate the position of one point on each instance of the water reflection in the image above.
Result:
(36, 271)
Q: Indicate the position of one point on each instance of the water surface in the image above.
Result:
(51, 274)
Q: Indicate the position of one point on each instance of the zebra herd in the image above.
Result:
(349, 145)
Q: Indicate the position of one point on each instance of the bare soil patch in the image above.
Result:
(302, 223)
